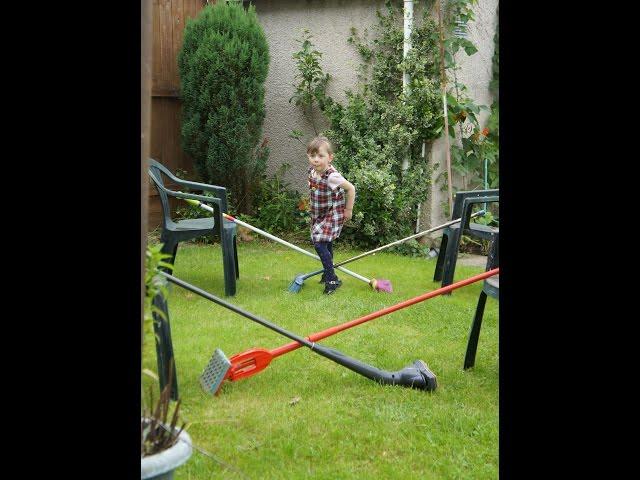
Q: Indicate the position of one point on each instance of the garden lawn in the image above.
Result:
(305, 416)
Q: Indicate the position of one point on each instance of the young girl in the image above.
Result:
(329, 208)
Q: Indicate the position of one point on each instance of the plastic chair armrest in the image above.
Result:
(196, 185)
(217, 203)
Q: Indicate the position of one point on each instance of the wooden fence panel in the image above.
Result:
(169, 19)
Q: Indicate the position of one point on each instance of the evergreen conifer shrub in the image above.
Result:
(223, 65)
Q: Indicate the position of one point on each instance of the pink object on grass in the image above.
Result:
(382, 285)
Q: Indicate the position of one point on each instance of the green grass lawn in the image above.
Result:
(342, 425)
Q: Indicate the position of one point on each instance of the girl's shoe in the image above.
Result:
(332, 286)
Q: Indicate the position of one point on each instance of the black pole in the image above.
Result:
(236, 309)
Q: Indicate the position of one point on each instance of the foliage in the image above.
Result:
(493, 137)
(475, 144)
(158, 433)
(154, 436)
(155, 284)
(469, 157)
(494, 118)
(223, 65)
(411, 248)
(313, 82)
(456, 16)
(280, 208)
(487, 219)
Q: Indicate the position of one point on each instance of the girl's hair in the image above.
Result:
(317, 142)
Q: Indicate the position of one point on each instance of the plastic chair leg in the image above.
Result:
(450, 259)
(170, 246)
(235, 256)
(492, 257)
(437, 274)
(474, 334)
(228, 264)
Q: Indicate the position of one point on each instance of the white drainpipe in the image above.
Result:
(408, 25)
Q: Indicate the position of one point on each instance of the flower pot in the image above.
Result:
(161, 465)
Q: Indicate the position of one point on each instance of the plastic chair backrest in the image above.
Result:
(461, 196)
(157, 168)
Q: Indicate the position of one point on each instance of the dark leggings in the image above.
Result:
(325, 252)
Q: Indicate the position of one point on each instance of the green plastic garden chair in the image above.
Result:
(174, 232)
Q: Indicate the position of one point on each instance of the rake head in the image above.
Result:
(215, 372)
(296, 285)
(382, 285)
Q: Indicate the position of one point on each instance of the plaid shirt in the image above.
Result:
(327, 207)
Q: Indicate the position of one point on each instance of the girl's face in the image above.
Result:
(321, 159)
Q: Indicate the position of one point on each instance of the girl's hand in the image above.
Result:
(348, 213)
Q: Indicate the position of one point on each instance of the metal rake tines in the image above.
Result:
(215, 371)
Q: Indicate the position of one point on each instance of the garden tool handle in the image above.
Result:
(397, 242)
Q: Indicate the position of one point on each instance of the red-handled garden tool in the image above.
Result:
(252, 361)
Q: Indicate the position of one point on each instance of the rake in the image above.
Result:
(417, 375)
(373, 283)
(385, 285)
(250, 362)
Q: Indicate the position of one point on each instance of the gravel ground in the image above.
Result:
(470, 259)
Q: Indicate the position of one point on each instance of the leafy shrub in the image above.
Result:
(412, 248)
(279, 207)
(223, 64)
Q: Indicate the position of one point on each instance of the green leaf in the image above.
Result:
(448, 60)
(470, 49)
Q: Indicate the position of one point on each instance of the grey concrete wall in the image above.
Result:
(330, 22)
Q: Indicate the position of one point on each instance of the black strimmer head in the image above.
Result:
(417, 376)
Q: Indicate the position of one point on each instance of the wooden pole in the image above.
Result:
(444, 105)
(145, 133)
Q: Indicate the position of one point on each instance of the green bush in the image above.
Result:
(223, 65)
(280, 209)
